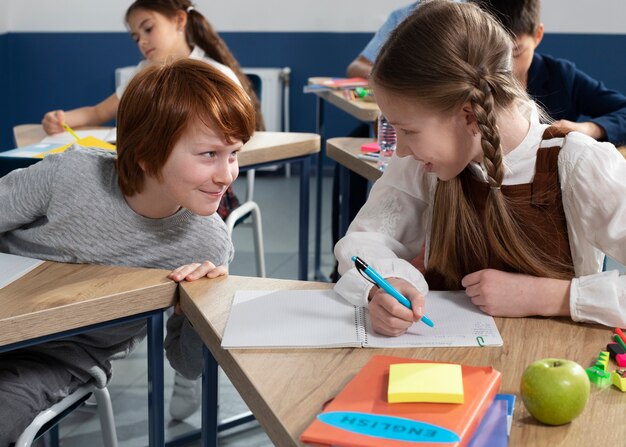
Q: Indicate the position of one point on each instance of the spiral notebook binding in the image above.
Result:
(360, 325)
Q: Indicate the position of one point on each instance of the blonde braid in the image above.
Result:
(483, 105)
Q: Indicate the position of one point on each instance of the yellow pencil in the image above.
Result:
(69, 129)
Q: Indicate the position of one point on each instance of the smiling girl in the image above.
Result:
(164, 30)
(180, 127)
(517, 213)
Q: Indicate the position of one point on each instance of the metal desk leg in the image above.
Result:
(209, 400)
(156, 411)
(318, 275)
(344, 197)
(303, 235)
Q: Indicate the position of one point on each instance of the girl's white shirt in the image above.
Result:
(196, 53)
(392, 226)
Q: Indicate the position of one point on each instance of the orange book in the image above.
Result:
(360, 415)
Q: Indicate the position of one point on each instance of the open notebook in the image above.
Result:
(322, 319)
(106, 134)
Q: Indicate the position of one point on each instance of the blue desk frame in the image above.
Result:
(156, 412)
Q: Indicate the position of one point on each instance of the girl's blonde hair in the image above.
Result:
(445, 55)
(200, 32)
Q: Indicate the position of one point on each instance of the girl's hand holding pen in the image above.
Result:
(53, 122)
(390, 317)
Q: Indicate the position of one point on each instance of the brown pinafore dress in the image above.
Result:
(537, 209)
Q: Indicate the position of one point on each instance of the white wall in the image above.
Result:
(559, 16)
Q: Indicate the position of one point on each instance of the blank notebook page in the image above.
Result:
(290, 318)
(458, 322)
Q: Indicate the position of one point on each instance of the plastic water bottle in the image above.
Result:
(386, 142)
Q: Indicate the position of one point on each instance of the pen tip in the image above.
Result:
(353, 258)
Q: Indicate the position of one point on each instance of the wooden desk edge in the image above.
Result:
(102, 309)
(364, 168)
(262, 411)
(357, 110)
(308, 144)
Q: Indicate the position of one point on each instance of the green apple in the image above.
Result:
(555, 391)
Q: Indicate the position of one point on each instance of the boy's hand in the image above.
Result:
(53, 122)
(388, 316)
(191, 272)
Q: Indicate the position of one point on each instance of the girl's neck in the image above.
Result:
(183, 52)
(513, 126)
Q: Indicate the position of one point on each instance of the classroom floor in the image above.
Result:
(277, 197)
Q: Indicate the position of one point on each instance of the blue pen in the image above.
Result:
(362, 267)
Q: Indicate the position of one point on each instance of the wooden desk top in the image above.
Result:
(56, 297)
(362, 110)
(263, 147)
(344, 151)
(286, 388)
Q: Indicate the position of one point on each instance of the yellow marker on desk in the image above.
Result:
(69, 129)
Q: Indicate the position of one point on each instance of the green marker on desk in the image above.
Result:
(362, 267)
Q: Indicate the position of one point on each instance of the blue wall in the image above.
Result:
(46, 71)
(58, 70)
(4, 86)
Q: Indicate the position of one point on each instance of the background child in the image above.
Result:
(361, 66)
(180, 127)
(568, 94)
(164, 30)
(515, 212)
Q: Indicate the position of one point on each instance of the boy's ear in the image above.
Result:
(538, 35)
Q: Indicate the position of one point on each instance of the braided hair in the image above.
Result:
(445, 55)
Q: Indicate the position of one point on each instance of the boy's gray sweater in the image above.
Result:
(69, 208)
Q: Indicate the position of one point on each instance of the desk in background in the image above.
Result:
(362, 110)
(58, 300)
(263, 149)
(285, 389)
(345, 151)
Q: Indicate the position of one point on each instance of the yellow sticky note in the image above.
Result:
(425, 382)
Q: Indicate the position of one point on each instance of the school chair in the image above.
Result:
(248, 212)
(48, 419)
(271, 84)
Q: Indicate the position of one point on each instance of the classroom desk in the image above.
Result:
(285, 389)
(345, 151)
(362, 110)
(263, 149)
(57, 300)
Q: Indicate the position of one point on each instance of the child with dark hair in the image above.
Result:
(565, 92)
